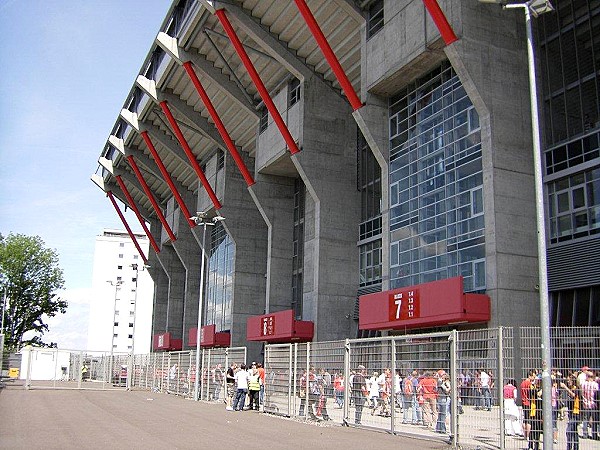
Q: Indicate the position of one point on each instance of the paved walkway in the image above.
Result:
(89, 419)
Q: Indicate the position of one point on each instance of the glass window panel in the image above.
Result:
(562, 201)
(578, 198)
(564, 225)
(581, 221)
(582, 307)
(565, 308)
(445, 122)
(574, 116)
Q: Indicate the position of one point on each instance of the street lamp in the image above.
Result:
(202, 218)
(535, 8)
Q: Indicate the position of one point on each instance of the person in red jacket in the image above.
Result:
(526, 403)
(428, 389)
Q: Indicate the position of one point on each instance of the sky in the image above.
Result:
(66, 69)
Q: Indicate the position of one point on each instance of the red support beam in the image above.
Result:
(262, 90)
(110, 195)
(137, 213)
(329, 55)
(188, 151)
(218, 123)
(439, 18)
(168, 179)
(148, 192)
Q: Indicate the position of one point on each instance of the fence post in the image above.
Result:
(307, 405)
(348, 386)
(208, 374)
(295, 365)
(501, 386)
(29, 351)
(80, 377)
(291, 376)
(453, 340)
(393, 387)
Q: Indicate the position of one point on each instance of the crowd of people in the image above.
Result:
(425, 397)
(245, 386)
(420, 398)
(574, 398)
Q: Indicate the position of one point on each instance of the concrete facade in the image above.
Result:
(490, 61)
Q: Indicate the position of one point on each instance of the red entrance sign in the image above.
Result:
(404, 305)
(280, 326)
(433, 304)
(268, 326)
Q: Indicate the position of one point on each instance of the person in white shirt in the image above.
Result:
(373, 388)
(241, 381)
(486, 393)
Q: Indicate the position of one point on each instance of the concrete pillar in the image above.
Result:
(274, 197)
(373, 124)
(161, 286)
(327, 165)
(499, 89)
(247, 229)
(187, 249)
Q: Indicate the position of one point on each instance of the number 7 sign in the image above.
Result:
(404, 305)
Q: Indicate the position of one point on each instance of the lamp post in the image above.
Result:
(117, 284)
(201, 218)
(535, 8)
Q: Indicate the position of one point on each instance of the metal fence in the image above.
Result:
(318, 381)
(70, 369)
(325, 381)
(175, 372)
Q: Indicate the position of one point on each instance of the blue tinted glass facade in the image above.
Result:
(219, 280)
(436, 184)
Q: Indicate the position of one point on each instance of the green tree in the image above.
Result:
(30, 277)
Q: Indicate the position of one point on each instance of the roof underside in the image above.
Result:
(200, 33)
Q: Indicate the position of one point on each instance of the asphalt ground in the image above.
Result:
(117, 419)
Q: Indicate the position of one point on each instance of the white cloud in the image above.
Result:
(70, 330)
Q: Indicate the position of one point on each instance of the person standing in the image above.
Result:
(535, 413)
(573, 404)
(359, 392)
(253, 389)
(230, 378)
(217, 381)
(338, 386)
(308, 385)
(588, 391)
(261, 376)
(241, 382)
(525, 388)
(486, 393)
(398, 390)
(443, 398)
(408, 397)
(512, 425)
(428, 389)
(373, 388)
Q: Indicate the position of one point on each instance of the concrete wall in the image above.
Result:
(327, 165)
(248, 231)
(491, 61)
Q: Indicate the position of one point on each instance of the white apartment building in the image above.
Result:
(121, 303)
